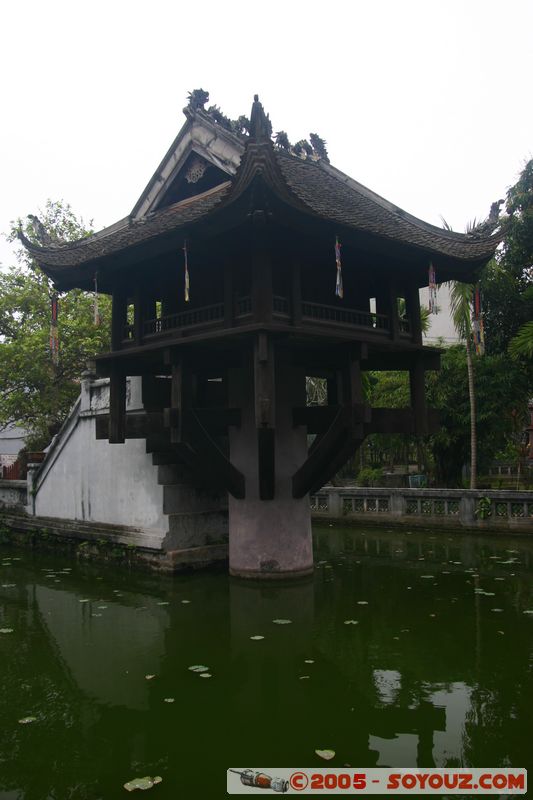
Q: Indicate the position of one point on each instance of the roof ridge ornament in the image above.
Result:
(260, 124)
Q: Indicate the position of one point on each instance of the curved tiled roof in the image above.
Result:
(335, 196)
(314, 187)
(126, 234)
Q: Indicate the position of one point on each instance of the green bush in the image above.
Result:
(369, 476)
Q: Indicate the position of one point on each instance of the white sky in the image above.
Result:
(428, 103)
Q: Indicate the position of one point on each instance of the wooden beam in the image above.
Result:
(412, 303)
(265, 413)
(418, 397)
(228, 295)
(261, 284)
(330, 450)
(296, 292)
(266, 455)
(118, 318)
(212, 460)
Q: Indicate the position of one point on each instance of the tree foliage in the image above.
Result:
(502, 390)
(36, 393)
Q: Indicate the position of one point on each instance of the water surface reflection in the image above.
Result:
(403, 649)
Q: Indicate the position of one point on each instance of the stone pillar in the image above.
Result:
(269, 538)
(31, 488)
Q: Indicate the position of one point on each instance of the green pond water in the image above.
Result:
(434, 668)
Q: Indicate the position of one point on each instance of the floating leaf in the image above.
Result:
(304, 677)
(256, 638)
(96, 615)
(206, 675)
(282, 621)
(85, 600)
(427, 576)
(351, 622)
(163, 603)
(309, 661)
(102, 608)
(27, 720)
(8, 585)
(149, 677)
(169, 700)
(6, 630)
(199, 668)
(362, 602)
(142, 783)
(528, 611)
(326, 754)
(185, 601)
(498, 610)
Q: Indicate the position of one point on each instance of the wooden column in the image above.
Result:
(387, 303)
(118, 318)
(117, 407)
(412, 302)
(228, 295)
(418, 396)
(176, 402)
(262, 295)
(139, 313)
(296, 293)
(265, 414)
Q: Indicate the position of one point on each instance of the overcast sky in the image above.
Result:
(428, 103)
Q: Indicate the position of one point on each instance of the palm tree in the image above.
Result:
(460, 299)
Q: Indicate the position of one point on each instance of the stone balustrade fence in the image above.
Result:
(497, 509)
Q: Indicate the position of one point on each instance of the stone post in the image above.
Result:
(334, 503)
(467, 511)
(31, 484)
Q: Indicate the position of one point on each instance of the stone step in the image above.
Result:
(172, 473)
(160, 457)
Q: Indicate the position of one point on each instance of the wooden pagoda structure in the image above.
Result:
(224, 370)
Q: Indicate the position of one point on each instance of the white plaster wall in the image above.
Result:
(441, 330)
(91, 480)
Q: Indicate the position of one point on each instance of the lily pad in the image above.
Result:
(362, 602)
(351, 622)
(169, 700)
(256, 638)
(6, 630)
(185, 601)
(27, 720)
(206, 675)
(142, 783)
(309, 661)
(528, 611)
(326, 754)
(149, 677)
(199, 668)
(282, 621)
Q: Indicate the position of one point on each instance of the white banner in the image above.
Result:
(350, 781)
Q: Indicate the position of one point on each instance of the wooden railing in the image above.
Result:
(206, 315)
(344, 316)
(281, 308)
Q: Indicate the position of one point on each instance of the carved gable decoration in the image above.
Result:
(196, 170)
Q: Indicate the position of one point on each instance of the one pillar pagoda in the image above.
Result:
(226, 297)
